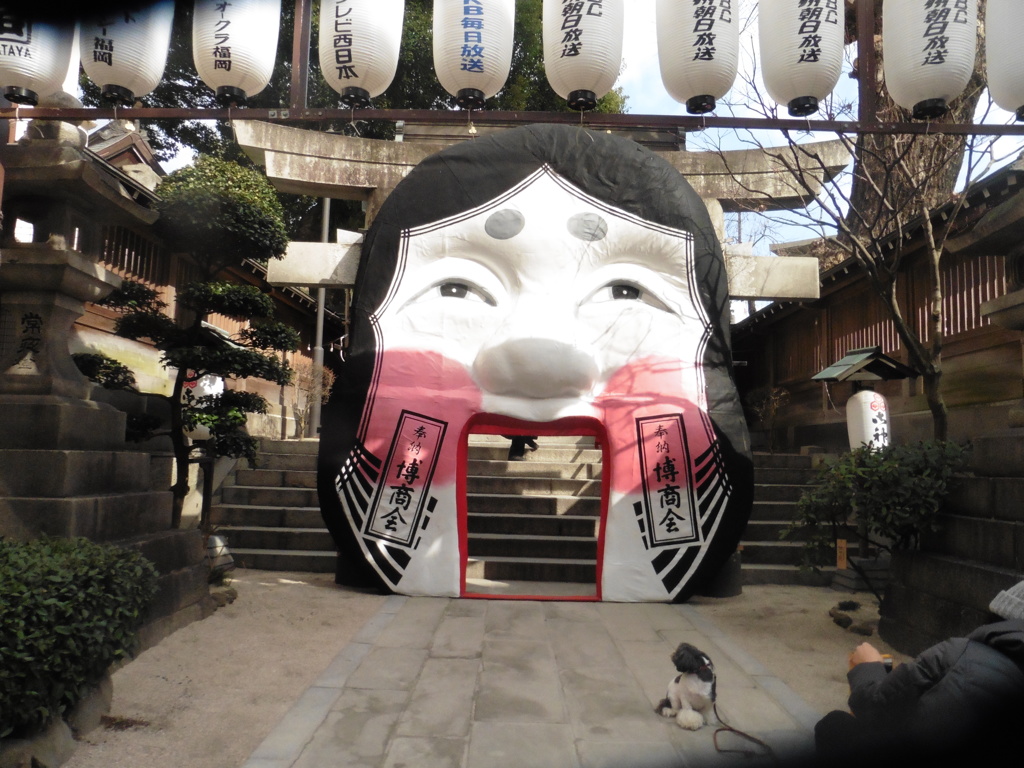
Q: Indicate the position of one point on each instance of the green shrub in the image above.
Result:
(68, 609)
(891, 495)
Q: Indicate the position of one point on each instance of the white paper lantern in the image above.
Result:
(473, 47)
(124, 52)
(234, 45)
(34, 57)
(204, 386)
(698, 50)
(359, 46)
(928, 52)
(1004, 20)
(801, 43)
(867, 420)
(582, 48)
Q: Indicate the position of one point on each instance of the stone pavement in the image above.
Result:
(443, 683)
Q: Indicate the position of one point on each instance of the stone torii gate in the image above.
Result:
(342, 167)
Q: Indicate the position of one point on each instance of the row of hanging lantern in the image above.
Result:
(929, 50)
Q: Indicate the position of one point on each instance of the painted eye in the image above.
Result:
(457, 290)
(454, 290)
(625, 291)
(620, 290)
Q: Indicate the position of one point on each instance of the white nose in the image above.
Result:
(536, 368)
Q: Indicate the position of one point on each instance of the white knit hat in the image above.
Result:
(1009, 604)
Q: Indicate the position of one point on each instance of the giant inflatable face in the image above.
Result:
(546, 280)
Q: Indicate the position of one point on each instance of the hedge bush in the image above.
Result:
(68, 609)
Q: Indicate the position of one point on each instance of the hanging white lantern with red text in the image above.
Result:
(359, 46)
(1004, 20)
(124, 51)
(801, 44)
(34, 57)
(473, 47)
(582, 48)
(234, 45)
(698, 50)
(928, 52)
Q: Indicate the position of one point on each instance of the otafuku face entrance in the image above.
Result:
(505, 290)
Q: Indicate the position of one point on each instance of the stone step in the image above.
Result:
(787, 460)
(286, 461)
(276, 478)
(270, 497)
(533, 569)
(544, 440)
(532, 505)
(562, 454)
(306, 447)
(280, 538)
(784, 575)
(779, 511)
(306, 561)
(534, 486)
(554, 469)
(484, 545)
(771, 552)
(541, 525)
(784, 476)
(267, 517)
(778, 492)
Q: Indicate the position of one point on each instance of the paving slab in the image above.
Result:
(447, 683)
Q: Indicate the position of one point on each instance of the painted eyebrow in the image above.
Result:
(589, 227)
(505, 224)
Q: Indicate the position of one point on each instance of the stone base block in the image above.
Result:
(999, 454)
(65, 473)
(932, 597)
(41, 422)
(105, 517)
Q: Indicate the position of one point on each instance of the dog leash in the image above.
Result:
(745, 752)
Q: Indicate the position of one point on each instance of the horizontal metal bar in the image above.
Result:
(589, 120)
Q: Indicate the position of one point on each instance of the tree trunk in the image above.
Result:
(180, 446)
(936, 404)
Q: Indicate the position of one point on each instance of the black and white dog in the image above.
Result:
(691, 694)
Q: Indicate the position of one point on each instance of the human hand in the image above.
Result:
(863, 653)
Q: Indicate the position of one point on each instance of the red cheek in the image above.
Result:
(652, 386)
(427, 384)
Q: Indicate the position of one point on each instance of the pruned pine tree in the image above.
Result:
(219, 214)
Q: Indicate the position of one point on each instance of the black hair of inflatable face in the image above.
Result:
(464, 176)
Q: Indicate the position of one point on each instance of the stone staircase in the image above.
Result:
(535, 520)
(779, 481)
(270, 516)
(530, 521)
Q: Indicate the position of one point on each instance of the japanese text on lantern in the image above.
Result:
(814, 13)
(222, 39)
(572, 16)
(667, 484)
(103, 46)
(939, 14)
(705, 14)
(473, 24)
(398, 503)
(342, 41)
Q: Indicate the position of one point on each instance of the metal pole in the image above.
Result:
(313, 429)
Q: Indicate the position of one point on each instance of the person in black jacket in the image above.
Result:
(963, 697)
